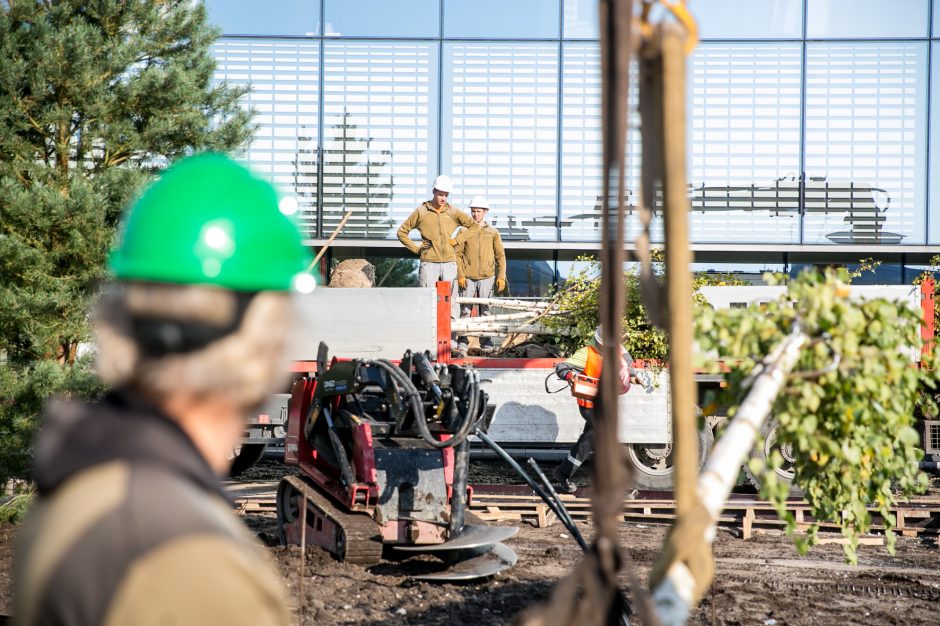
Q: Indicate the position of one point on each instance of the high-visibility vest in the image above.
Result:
(592, 369)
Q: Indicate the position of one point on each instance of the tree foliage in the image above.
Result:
(847, 414)
(95, 95)
(24, 390)
(577, 300)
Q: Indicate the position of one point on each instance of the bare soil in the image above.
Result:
(760, 581)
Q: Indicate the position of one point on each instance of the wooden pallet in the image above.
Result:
(916, 518)
(920, 517)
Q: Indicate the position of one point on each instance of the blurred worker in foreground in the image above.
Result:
(437, 222)
(587, 361)
(481, 260)
(132, 525)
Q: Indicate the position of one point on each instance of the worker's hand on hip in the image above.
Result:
(462, 282)
(500, 284)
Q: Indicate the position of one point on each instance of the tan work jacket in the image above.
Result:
(436, 228)
(480, 253)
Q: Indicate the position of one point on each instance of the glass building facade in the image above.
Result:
(811, 123)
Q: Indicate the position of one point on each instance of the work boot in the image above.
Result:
(564, 483)
(487, 350)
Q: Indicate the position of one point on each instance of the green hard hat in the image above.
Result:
(210, 221)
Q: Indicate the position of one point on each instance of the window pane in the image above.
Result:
(501, 19)
(287, 111)
(274, 17)
(581, 148)
(379, 133)
(529, 274)
(391, 269)
(933, 217)
(581, 19)
(867, 18)
(381, 18)
(500, 138)
(752, 273)
(750, 19)
(865, 143)
(744, 137)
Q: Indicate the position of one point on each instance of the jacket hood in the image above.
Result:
(76, 435)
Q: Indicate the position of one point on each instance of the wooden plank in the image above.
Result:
(747, 524)
(862, 541)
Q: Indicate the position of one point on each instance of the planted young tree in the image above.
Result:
(94, 97)
(846, 414)
(577, 300)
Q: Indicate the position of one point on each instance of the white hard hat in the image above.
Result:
(479, 202)
(443, 183)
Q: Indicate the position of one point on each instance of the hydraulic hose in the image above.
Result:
(414, 396)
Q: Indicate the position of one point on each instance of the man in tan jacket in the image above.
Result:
(481, 261)
(437, 221)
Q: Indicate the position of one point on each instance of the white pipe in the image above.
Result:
(673, 597)
(532, 305)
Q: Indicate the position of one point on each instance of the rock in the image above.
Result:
(353, 273)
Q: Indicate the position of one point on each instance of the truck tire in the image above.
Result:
(653, 465)
(245, 457)
(762, 449)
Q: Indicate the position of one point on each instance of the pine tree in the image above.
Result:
(355, 179)
(95, 97)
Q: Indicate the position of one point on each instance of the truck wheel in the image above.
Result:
(653, 464)
(245, 456)
(762, 450)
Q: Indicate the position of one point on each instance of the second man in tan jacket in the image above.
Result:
(481, 262)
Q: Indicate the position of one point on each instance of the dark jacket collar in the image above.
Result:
(121, 426)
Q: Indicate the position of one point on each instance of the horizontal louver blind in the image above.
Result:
(284, 79)
(501, 132)
(379, 134)
(865, 148)
(744, 126)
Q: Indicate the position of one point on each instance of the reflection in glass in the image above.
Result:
(744, 125)
(752, 273)
(287, 109)
(867, 18)
(500, 137)
(381, 18)
(388, 270)
(529, 277)
(886, 273)
(271, 18)
(525, 19)
(749, 19)
(581, 19)
(379, 124)
(865, 143)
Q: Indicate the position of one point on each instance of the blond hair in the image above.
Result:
(245, 365)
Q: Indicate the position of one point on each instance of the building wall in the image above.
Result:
(810, 121)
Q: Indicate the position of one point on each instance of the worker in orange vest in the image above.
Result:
(587, 362)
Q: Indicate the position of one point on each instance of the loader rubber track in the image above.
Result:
(359, 541)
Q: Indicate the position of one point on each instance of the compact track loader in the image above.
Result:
(383, 453)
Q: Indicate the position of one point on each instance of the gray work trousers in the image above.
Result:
(430, 273)
(482, 288)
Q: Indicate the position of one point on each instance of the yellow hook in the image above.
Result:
(682, 15)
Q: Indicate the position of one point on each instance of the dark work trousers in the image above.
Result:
(583, 447)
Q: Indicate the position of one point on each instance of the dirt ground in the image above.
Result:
(761, 581)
